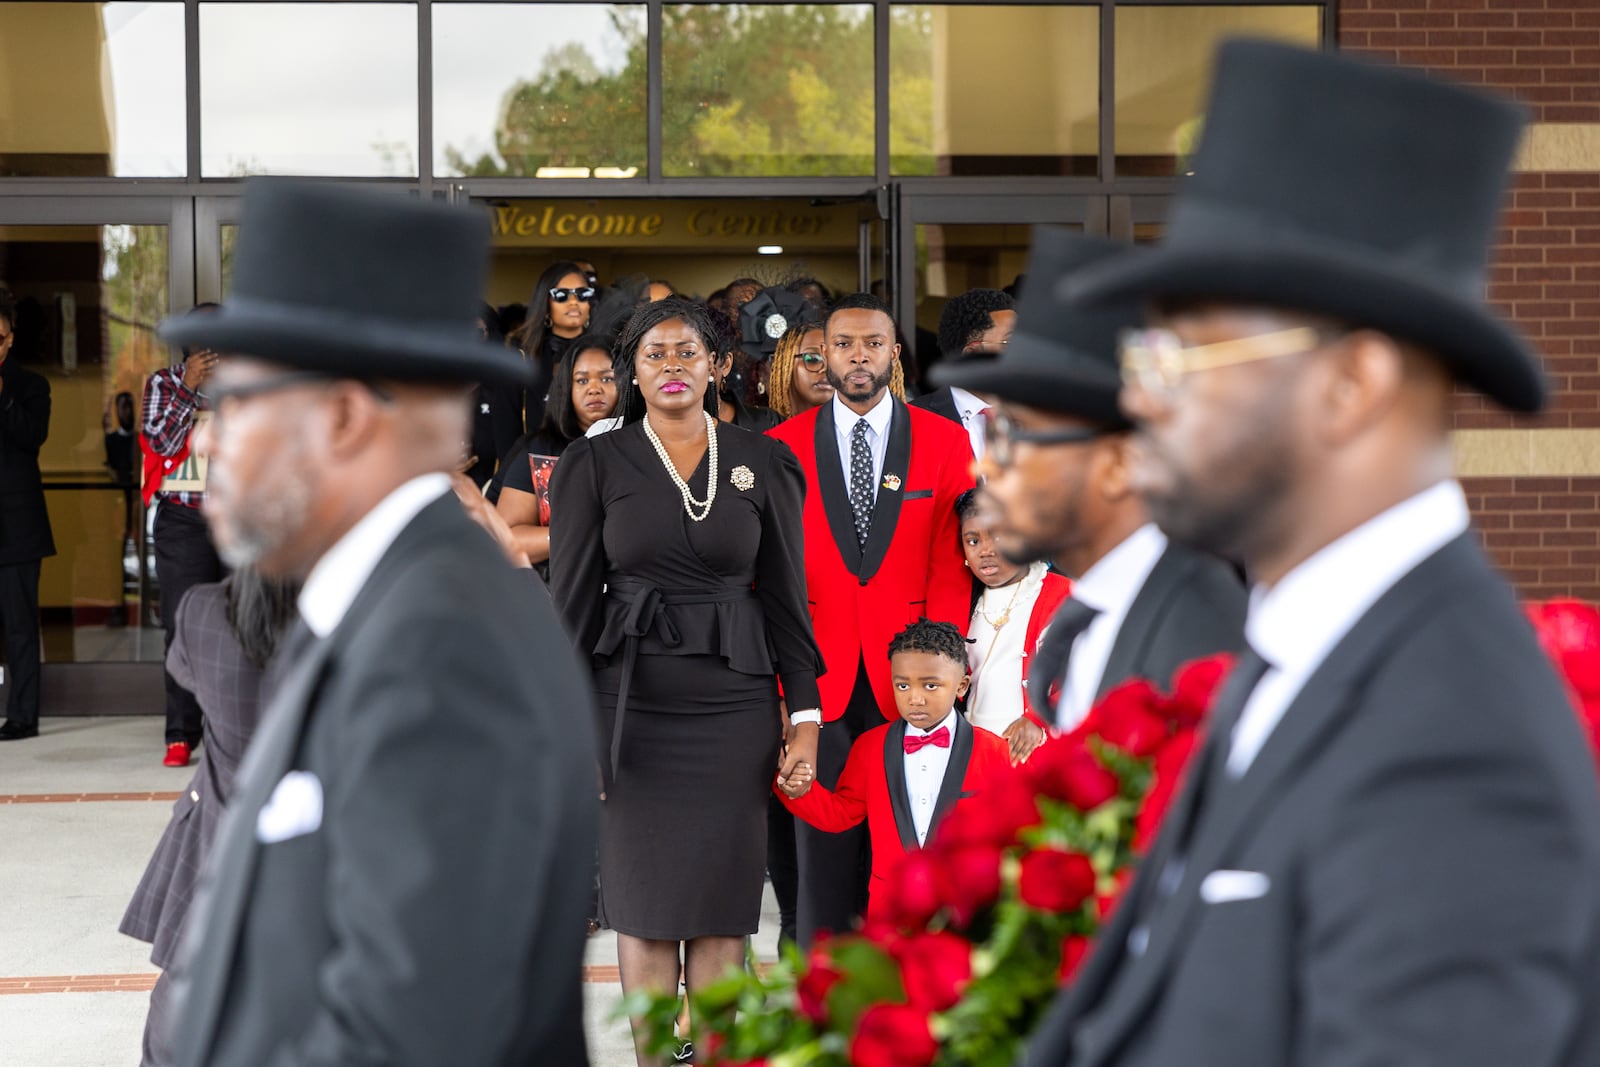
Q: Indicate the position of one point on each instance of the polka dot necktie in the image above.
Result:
(861, 481)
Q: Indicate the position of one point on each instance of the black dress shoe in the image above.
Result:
(12, 731)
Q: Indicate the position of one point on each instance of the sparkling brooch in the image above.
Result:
(891, 482)
(743, 478)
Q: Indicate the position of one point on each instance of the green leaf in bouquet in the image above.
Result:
(871, 977)
(656, 1017)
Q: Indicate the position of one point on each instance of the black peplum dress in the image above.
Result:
(689, 626)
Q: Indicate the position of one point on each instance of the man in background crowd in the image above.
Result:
(25, 537)
(975, 325)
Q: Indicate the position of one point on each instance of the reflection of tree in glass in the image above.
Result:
(571, 115)
(748, 90)
(133, 299)
(911, 90)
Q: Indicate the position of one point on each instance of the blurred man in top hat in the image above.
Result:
(404, 875)
(1388, 848)
(1055, 480)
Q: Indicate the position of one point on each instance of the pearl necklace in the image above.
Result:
(689, 502)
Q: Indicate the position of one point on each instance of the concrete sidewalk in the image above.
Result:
(81, 808)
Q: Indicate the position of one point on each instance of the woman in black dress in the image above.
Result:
(677, 561)
(558, 313)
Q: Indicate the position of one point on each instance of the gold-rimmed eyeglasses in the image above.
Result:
(1156, 361)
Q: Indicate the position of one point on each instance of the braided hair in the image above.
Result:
(780, 378)
(935, 638)
(647, 318)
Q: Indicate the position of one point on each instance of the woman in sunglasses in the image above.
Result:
(558, 313)
(798, 380)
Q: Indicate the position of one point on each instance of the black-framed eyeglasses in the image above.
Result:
(1001, 435)
(584, 295)
(813, 361)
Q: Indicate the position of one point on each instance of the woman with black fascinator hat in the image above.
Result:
(678, 566)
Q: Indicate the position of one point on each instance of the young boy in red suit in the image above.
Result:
(903, 777)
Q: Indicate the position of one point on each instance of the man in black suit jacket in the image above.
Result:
(403, 877)
(1055, 480)
(975, 325)
(25, 537)
(1388, 848)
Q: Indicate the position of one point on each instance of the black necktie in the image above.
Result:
(1050, 659)
(861, 481)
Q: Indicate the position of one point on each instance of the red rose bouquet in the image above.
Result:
(986, 922)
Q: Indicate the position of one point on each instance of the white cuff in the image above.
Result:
(808, 715)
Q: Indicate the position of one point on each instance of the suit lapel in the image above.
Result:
(1318, 710)
(886, 511)
(1138, 630)
(204, 963)
(831, 487)
(955, 773)
(894, 774)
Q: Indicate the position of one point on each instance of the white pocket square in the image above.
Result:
(1220, 887)
(294, 809)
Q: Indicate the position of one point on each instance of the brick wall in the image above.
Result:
(1546, 273)
(1543, 532)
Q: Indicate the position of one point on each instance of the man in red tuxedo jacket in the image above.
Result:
(882, 550)
(904, 777)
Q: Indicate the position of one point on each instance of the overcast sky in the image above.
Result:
(312, 88)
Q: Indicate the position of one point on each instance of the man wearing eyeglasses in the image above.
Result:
(404, 874)
(25, 536)
(1387, 849)
(1055, 481)
(975, 325)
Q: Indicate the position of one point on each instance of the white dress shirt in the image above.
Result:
(970, 407)
(1110, 587)
(1296, 623)
(925, 775)
(877, 420)
(338, 577)
(995, 656)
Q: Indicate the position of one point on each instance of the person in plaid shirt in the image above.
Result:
(185, 556)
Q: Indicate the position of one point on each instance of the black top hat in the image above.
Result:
(1344, 188)
(357, 284)
(1061, 358)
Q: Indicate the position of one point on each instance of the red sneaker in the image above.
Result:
(177, 755)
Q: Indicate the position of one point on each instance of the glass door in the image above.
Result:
(945, 245)
(92, 279)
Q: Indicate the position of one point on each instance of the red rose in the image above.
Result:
(1073, 949)
(1055, 880)
(968, 879)
(912, 892)
(934, 967)
(1136, 690)
(1127, 721)
(1167, 776)
(812, 989)
(1195, 687)
(993, 817)
(893, 1035)
(1569, 630)
(1065, 770)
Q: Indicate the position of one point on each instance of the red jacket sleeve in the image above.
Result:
(949, 581)
(845, 806)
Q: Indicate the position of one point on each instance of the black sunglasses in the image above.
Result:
(1001, 434)
(560, 296)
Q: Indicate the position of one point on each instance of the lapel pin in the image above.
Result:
(743, 478)
(891, 482)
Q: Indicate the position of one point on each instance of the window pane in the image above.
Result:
(543, 90)
(994, 90)
(92, 90)
(767, 89)
(1164, 57)
(316, 88)
(88, 301)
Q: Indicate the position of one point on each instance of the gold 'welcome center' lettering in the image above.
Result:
(510, 220)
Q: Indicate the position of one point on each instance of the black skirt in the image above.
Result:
(683, 831)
